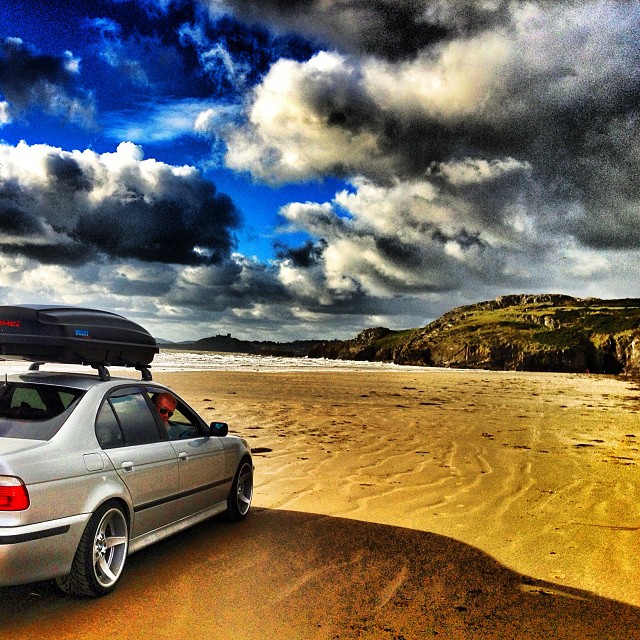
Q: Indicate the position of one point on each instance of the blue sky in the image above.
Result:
(307, 169)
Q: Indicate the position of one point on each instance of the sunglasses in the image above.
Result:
(164, 411)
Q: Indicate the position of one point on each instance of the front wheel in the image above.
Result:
(239, 499)
(101, 554)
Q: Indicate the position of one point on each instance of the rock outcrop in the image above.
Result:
(517, 332)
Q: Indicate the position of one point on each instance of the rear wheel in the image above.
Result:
(239, 499)
(99, 560)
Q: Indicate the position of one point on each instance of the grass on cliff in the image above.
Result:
(393, 339)
(543, 325)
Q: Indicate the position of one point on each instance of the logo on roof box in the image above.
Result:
(10, 323)
(82, 333)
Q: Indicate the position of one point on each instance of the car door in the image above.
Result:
(127, 430)
(201, 462)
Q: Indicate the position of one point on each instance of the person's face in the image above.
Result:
(165, 409)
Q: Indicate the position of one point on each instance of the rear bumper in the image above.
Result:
(39, 551)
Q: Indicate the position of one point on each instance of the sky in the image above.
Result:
(309, 168)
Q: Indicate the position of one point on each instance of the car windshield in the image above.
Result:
(34, 411)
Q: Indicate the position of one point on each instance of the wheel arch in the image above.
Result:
(110, 491)
(246, 457)
(121, 502)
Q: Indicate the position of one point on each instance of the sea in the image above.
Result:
(169, 360)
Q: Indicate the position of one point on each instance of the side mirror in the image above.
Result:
(219, 429)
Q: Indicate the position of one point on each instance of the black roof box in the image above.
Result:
(73, 335)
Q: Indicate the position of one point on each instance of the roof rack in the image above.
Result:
(103, 372)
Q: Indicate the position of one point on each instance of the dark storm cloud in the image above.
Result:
(305, 256)
(66, 174)
(238, 283)
(124, 286)
(70, 254)
(73, 207)
(159, 231)
(258, 292)
(29, 80)
(15, 217)
(394, 29)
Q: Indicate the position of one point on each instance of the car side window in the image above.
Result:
(107, 428)
(134, 416)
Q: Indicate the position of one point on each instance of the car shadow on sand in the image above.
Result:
(288, 574)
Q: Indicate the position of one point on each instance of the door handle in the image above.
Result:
(127, 466)
(183, 456)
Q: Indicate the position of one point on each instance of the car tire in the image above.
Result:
(101, 554)
(239, 500)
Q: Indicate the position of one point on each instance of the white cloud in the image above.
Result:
(472, 171)
(71, 62)
(5, 114)
(287, 138)
(162, 123)
(328, 115)
(214, 118)
(455, 83)
(513, 93)
(412, 236)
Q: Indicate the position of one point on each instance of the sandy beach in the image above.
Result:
(403, 504)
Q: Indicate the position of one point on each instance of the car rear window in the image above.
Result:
(34, 411)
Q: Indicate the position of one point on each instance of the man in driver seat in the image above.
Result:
(166, 404)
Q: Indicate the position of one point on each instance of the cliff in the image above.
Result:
(516, 332)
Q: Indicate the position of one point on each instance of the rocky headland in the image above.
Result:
(516, 332)
(527, 332)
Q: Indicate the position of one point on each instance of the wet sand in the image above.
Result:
(458, 504)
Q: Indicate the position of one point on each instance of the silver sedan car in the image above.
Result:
(91, 471)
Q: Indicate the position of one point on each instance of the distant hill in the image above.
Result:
(227, 344)
(516, 332)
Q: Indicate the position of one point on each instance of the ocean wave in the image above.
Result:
(170, 360)
(174, 360)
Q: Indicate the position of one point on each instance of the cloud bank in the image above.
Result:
(75, 207)
(558, 89)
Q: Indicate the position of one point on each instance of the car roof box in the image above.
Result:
(73, 335)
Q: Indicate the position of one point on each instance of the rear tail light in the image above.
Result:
(13, 494)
